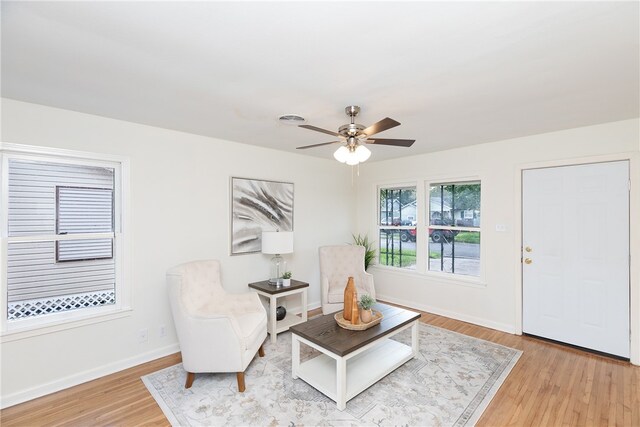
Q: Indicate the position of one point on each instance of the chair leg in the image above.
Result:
(240, 377)
(190, 377)
(261, 352)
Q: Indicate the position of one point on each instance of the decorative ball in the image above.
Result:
(281, 312)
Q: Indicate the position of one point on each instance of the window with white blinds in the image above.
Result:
(61, 237)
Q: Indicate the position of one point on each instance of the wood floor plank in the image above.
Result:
(551, 385)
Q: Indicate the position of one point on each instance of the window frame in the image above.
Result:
(423, 185)
(22, 328)
(380, 227)
(428, 226)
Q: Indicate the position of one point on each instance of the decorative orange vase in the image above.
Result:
(355, 312)
(349, 292)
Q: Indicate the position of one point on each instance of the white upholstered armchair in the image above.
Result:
(337, 264)
(218, 331)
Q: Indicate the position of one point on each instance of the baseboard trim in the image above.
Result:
(451, 314)
(83, 377)
(92, 374)
(313, 306)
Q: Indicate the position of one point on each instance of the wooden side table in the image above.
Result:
(271, 293)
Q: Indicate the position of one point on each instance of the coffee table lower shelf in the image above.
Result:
(343, 378)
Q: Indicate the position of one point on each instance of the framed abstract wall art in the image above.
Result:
(256, 206)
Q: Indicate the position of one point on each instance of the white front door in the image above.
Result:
(575, 270)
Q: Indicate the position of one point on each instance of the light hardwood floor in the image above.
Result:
(551, 385)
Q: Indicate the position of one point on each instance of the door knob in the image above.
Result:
(527, 261)
(528, 249)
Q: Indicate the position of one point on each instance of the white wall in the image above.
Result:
(180, 212)
(495, 303)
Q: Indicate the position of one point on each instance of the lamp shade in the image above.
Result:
(277, 242)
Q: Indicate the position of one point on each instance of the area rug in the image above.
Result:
(450, 383)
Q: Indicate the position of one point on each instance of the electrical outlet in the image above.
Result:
(501, 228)
(162, 331)
(143, 336)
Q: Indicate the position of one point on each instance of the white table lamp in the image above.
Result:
(277, 243)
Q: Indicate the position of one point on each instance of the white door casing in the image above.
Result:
(575, 220)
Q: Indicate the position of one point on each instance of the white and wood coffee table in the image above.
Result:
(352, 361)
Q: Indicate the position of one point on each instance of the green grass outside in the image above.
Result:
(468, 237)
(408, 258)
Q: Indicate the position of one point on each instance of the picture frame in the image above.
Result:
(258, 205)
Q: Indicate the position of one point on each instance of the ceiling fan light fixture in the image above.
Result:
(362, 153)
(352, 155)
(352, 160)
(341, 154)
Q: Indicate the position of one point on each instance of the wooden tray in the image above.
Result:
(346, 324)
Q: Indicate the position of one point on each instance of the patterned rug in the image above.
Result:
(450, 383)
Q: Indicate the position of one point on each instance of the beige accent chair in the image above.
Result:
(337, 264)
(218, 331)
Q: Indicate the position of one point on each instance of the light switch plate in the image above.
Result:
(501, 228)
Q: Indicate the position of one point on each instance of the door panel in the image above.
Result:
(576, 223)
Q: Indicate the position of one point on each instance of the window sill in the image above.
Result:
(453, 279)
(36, 330)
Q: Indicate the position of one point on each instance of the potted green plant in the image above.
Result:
(365, 303)
(286, 278)
(369, 252)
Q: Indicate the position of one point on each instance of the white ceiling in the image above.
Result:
(453, 73)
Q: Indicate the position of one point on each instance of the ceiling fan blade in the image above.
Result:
(317, 129)
(382, 125)
(317, 145)
(396, 142)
